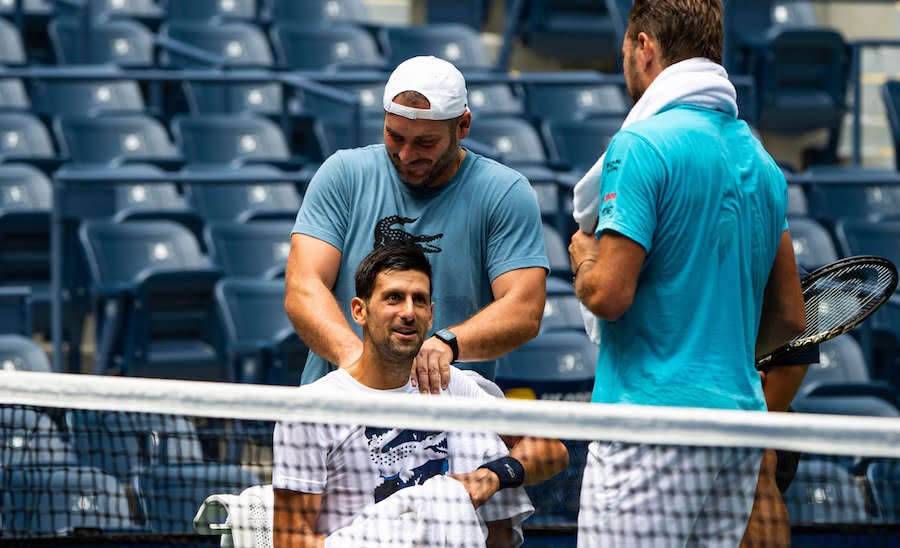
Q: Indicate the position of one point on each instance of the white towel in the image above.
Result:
(697, 81)
(438, 513)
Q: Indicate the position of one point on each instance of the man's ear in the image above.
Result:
(465, 124)
(646, 50)
(431, 317)
(358, 311)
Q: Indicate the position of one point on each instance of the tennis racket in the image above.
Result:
(838, 297)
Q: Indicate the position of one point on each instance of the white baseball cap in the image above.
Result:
(437, 80)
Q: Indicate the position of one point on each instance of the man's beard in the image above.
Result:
(443, 162)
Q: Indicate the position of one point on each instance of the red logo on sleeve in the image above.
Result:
(610, 196)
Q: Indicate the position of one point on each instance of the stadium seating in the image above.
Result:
(825, 492)
(66, 98)
(233, 139)
(514, 139)
(883, 480)
(332, 134)
(466, 12)
(862, 405)
(15, 310)
(561, 309)
(576, 145)
(493, 99)
(58, 500)
(12, 50)
(107, 9)
(212, 10)
(798, 205)
(318, 12)
(867, 194)
(261, 342)
(153, 300)
(24, 137)
(813, 246)
(298, 46)
(250, 250)
(13, 96)
(880, 238)
(456, 43)
(246, 201)
(173, 492)
(29, 439)
(575, 101)
(557, 253)
(115, 139)
(18, 353)
(576, 30)
(121, 42)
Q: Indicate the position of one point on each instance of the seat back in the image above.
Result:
(12, 49)
(238, 43)
(30, 438)
(318, 12)
(18, 353)
(514, 139)
(880, 238)
(841, 360)
(107, 9)
(825, 492)
(22, 134)
(122, 42)
(212, 10)
(486, 99)
(223, 139)
(561, 309)
(25, 204)
(57, 98)
(250, 250)
(458, 44)
(578, 144)
(13, 95)
(567, 101)
(883, 479)
(299, 46)
(113, 138)
(813, 246)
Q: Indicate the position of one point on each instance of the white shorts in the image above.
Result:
(661, 496)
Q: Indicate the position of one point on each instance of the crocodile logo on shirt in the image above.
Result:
(386, 233)
(405, 457)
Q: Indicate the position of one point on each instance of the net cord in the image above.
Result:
(824, 434)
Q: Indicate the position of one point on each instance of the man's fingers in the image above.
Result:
(445, 375)
(413, 378)
(434, 375)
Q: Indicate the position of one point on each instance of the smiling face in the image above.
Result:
(397, 317)
(425, 153)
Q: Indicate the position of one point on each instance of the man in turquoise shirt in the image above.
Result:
(691, 250)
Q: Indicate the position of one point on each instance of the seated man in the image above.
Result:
(326, 475)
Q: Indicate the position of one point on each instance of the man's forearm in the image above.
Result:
(318, 320)
(541, 458)
(497, 329)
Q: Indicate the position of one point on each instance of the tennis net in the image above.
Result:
(88, 456)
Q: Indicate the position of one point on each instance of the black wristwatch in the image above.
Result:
(447, 337)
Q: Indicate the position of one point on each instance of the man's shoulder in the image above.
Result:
(463, 386)
(335, 380)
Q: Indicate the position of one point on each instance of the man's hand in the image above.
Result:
(583, 247)
(480, 484)
(431, 368)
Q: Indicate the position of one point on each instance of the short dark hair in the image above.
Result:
(396, 256)
(683, 28)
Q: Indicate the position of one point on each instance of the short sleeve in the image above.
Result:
(629, 186)
(300, 453)
(515, 235)
(326, 203)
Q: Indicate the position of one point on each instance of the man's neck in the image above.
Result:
(373, 371)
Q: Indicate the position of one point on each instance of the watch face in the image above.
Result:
(445, 335)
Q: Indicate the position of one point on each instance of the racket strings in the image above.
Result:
(836, 301)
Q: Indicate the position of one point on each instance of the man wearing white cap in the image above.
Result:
(477, 219)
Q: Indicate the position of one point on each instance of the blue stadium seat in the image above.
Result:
(332, 134)
(459, 44)
(15, 310)
(13, 95)
(125, 444)
(369, 92)
(154, 300)
(576, 145)
(568, 101)
(250, 250)
(868, 194)
(557, 253)
(24, 137)
(494, 99)
(172, 493)
(825, 492)
(576, 30)
(862, 405)
(30, 438)
(555, 365)
(842, 371)
(473, 13)
(561, 310)
(318, 12)
(299, 46)
(798, 205)
(880, 238)
(121, 42)
(116, 139)
(243, 202)
(890, 92)
(233, 139)
(514, 139)
(212, 10)
(149, 10)
(86, 97)
(12, 49)
(813, 246)
(18, 353)
(261, 341)
(59, 500)
(883, 480)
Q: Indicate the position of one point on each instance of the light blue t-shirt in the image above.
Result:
(483, 223)
(707, 203)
